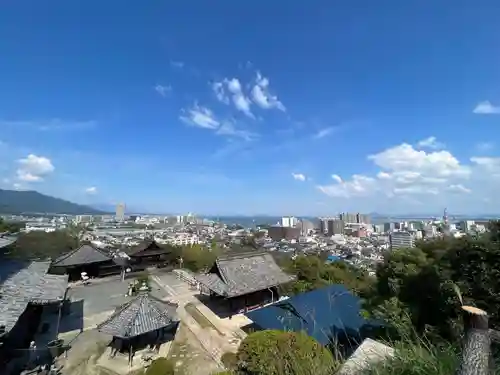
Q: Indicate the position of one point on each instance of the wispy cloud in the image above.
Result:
(204, 117)
(91, 190)
(177, 64)
(230, 90)
(163, 90)
(262, 96)
(324, 132)
(200, 116)
(219, 91)
(430, 142)
(54, 124)
(298, 176)
(240, 101)
(486, 108)
(485, 146)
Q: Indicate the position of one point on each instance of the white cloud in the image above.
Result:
(91, 190)
(232, 89)
(458, 188)
(431, 143)
(405, 158)
(337, 178)
(324, 132)
(262, 97)
(299, 176)
(407, 171)
(163, 90)
(486, 108)
(240, 101)
(204, 117)
(219, 91)
(34, 168)
(200, 116)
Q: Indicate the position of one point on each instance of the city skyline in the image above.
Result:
(185, 107)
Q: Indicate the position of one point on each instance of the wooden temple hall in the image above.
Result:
(245, 281)
(25, 291)
(144, 321)
(99, 263)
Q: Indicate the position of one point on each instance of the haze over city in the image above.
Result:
(253, 108)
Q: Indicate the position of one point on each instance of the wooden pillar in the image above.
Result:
(476, 347)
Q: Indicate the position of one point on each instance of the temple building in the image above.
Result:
(144, 320)
(24, 291)
(149, 253)
(86, 258)
(245, 280)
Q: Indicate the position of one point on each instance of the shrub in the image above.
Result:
(160, 366)
(279, 353)
(230, 360)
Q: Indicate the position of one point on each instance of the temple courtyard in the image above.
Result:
(196, 348)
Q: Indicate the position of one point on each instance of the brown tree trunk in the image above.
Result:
(476, 347)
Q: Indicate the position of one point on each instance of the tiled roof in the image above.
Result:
(85, 254)
(147, 248)
(143, 314)
(244, 273)
(23, 284)
(7, 240)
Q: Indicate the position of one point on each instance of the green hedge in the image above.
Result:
(160, 366)
(282, 353)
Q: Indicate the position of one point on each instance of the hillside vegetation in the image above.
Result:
(17, 202)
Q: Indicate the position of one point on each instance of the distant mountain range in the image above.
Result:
(18, 202)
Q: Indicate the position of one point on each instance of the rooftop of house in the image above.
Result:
(244, 273)
(142, 314)
(85, 254)
(21, 284)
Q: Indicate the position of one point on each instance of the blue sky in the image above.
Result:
(259, 107)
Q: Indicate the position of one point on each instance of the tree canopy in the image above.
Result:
(278, 352)
(312, 273)
(10, 227)
(422, 282)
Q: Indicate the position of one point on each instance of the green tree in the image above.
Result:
(423, 281)
(41, 245)
(312, 273)
(10, 227)
(283, 353)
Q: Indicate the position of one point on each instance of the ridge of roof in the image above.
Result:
(74, 251)
(245, 254)
(140, 299)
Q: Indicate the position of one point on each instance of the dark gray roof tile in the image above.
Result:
(85, 254)
(245, 273)
(23, 284)
(142, 314)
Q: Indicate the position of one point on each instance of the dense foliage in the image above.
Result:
(278, 352)
(17, 202)
(41, 245)
(10, 227)
(160, 366)
(421, 284)
(313, 272)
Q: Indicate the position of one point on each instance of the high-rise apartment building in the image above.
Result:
(331, 226)
(288, 221)
(120, 212)
(335, 227)
(401, 240)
